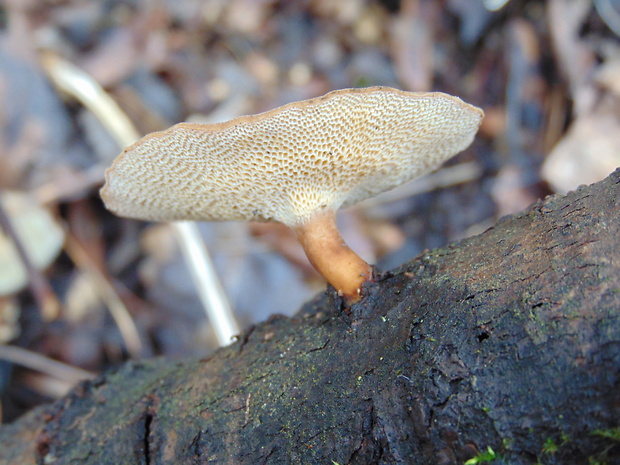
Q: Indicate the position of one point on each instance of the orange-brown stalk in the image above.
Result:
(332, 257)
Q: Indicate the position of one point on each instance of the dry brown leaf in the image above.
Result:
(9, 319)
(589, 151)
(411, 45)
(608, 74)
(575, 57)
(39, 233)
(511, 191)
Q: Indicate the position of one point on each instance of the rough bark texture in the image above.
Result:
(510, 339)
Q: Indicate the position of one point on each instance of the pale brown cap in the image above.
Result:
(289, 163)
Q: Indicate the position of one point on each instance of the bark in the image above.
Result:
(508, 340)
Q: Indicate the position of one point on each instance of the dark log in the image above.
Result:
(508, 340)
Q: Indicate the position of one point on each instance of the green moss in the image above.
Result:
(610, 433)
(550, 447)
(486, 456)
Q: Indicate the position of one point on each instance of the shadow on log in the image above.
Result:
(508, 340)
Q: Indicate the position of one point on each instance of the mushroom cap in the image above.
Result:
(291, 162)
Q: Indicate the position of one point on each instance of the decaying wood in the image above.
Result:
(508, 340)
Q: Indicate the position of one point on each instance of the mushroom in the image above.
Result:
(296, 164)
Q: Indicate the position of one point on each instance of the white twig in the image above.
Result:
(206, 281)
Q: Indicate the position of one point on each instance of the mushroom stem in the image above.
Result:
(332, 257)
